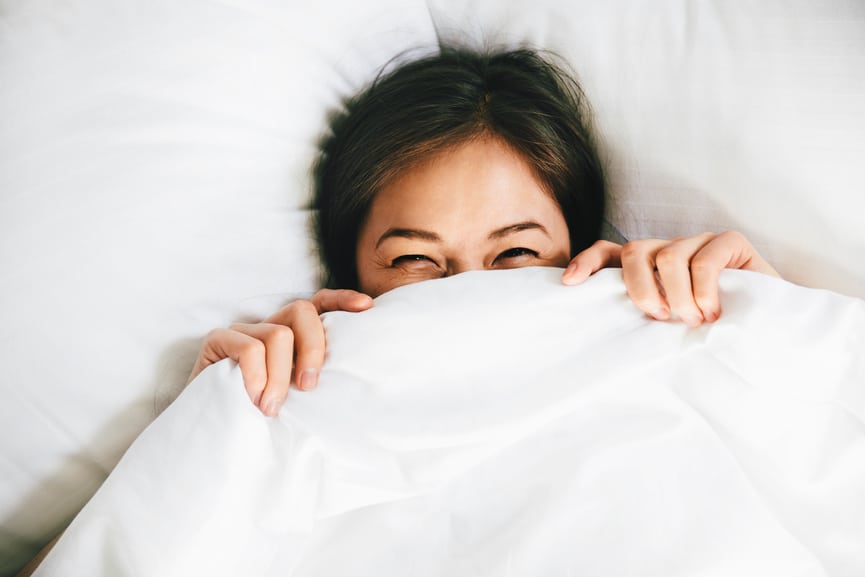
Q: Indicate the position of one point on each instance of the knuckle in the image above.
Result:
(667, 257)
(633, 249)
(304, 307)
(220, 333)
(280, 336)
(734, 236)
(214, 335)
(701, 263)
(252, 348)
(699, 238)
(321, 296)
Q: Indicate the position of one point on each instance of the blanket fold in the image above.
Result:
(499, 423)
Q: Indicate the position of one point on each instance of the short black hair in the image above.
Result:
(427, 105)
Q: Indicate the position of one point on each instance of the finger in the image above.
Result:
(673, 262)
(327, 300)
(638, 272)
(602, 254)
(726, 250)
(248, 352)
(742, 255)
(278, 344)
(206, 355)
(309, 344)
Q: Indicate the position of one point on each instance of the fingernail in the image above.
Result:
(692, 320)
(308, 379)
(661, 314)
(257, 399)
(273, 406)
(567, 276)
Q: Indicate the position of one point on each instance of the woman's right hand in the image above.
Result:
(289, 342)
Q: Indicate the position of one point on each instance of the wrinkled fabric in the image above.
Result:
(499, 423)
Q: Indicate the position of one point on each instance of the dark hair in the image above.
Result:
(427, 105)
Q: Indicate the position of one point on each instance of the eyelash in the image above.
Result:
(409, 258)
(516, 252)
(510, 253)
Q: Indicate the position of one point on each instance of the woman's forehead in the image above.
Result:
(481, 184)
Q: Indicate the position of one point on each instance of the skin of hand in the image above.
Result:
(289, 342)
(675, 278)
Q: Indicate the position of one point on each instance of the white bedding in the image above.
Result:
(155, 165)
(498, 423)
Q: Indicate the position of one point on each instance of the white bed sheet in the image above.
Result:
(499, 423)
(155, 159)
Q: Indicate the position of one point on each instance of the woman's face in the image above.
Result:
(475, 206)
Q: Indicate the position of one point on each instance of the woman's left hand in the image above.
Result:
(672, 278)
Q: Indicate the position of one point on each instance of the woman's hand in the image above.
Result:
(291, 340)
(672, 278)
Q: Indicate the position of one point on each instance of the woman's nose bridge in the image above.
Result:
(465, 264)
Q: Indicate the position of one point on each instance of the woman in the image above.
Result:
(464, 161)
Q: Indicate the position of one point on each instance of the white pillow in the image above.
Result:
(154, 163)
(718, 116)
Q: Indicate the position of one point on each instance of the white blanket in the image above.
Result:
(500, 424)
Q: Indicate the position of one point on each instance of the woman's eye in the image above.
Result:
(410, 259)
(515, 253)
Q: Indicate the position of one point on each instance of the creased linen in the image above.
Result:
(499, 423)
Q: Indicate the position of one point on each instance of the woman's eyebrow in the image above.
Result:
(520, 226)
(408, 233)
